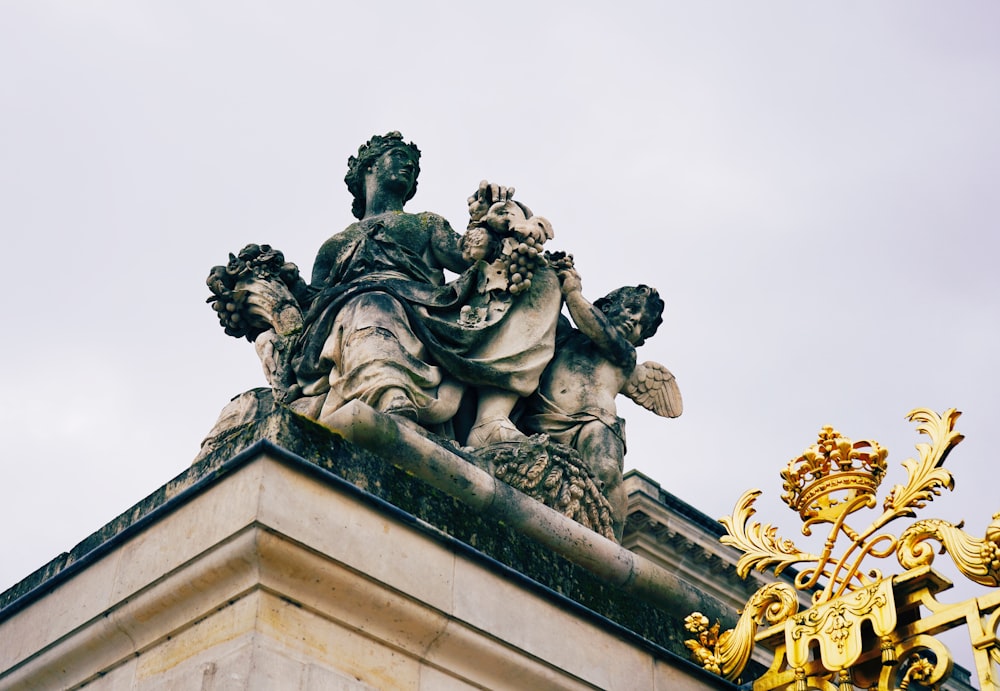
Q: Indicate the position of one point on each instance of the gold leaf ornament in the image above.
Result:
(759, 543)
(926, 478)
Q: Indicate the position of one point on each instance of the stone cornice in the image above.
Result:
(119, 591)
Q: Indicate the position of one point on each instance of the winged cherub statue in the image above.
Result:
(593, 363)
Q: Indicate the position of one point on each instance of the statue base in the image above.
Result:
(289, 555)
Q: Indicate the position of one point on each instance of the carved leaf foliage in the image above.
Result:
(759, 543)
(926, 477)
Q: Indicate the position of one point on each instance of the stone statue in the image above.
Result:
(386, 329)
(464, 358)
(575, 403)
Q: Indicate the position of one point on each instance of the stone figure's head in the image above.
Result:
(637, 311)
(391, 151)
(502, 215)
(535, 226)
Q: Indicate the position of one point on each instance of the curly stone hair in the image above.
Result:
(367, 154)
(654, 306)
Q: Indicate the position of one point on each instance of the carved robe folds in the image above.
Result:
(399, 327)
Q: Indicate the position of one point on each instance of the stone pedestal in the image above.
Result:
(289, 558)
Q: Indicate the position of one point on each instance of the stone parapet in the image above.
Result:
(289, 557)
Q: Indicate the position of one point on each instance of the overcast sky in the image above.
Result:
(813, 188)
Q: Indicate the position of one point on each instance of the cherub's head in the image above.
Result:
(502, 215)
(636, 311)
(478, 243)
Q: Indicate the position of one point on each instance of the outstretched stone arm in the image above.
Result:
(592, 321)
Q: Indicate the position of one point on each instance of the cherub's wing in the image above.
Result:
(653, 387)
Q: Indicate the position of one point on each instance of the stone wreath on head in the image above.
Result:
(368, 153)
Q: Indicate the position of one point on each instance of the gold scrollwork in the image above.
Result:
(926, 478)
(977, 559)
(829, 483)
(759, 543)
(924, 662)
(728, 653)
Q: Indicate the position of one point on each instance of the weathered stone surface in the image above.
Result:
(575, 401)
(474, 359)
(264, 563)
(326, 451)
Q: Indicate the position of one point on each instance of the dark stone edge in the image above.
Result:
(318, 451)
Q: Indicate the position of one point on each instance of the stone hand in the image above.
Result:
(569, 280)
(487, 195)
(270, 304)
(559, 261)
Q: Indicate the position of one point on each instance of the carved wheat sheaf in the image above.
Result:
(554, 475)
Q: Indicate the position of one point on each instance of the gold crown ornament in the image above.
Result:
(833, 478)
(862, 629)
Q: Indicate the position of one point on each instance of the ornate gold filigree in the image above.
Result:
(728, 653)
(925, 663)
(827, 479)
(829, 482)
(977, 559)
(926, 478)
(705, 648)
(759, 543)
(860, 622)
(836, 626)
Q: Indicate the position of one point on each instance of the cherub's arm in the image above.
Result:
(594, 323)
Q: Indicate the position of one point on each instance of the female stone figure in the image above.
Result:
(386, 329)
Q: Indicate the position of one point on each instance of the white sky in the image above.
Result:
(813, 189)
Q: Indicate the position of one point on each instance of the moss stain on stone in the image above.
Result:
(377, 476)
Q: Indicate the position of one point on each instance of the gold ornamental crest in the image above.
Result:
(861, 629)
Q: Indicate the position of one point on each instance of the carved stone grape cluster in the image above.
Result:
(232, 314)
(524, 259)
